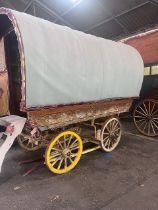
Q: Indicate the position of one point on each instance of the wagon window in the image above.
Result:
(2, 56)
(147, 70)
(154, 69)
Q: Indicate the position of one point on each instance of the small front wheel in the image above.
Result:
(29, 143)
(110, 134)
(64, 152)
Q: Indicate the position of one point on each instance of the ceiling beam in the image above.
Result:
(70, 9)
(34, 8)
(10, 5)
(154, 2)
(53, 13)
(28, 6)
(111, 18)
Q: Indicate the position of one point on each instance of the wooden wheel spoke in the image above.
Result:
(112, 124)
(152, 127)
(149, 128)
(106, 141)
(74, 148)
(60, 163)
(71, 145)
(109, 143)
(56, 149)
(55, 160)
(115, 126)
(28, 143)
(152, 109)
(106, 138)
(149, 108)
(145, 111)
(155, 124)
(146, 123)
(55, 154)
(108, 129)
(65, 161)
(70, 159)
(141, 122)
(117, 134)
(24, 140)
(140, 117)
(70, 138)
(117, 129)
(74, 155)
(156, 111)
(155, 118)
(140, 113)
(74, 145)
(32, 144)
(60, 145)
(65, 141)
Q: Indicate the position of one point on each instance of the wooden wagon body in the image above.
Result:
(64, 84)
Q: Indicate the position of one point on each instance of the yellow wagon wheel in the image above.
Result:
(64, 152)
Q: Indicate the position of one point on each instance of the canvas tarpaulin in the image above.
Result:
(65, 66)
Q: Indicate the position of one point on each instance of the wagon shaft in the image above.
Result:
(63, 116)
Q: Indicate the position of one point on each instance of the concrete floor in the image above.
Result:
(126, 179)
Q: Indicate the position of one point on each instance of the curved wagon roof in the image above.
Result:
(63, 66)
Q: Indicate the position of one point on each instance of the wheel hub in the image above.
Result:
(66, 152)
(112, 136)
(149, 117)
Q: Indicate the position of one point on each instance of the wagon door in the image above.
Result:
(4, 90)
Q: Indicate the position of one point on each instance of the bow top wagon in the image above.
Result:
(69, 87)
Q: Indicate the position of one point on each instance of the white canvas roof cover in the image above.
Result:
(65, 66)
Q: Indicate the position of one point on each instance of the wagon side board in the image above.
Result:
(66, 115)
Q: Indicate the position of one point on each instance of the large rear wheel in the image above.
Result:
(146, 117)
